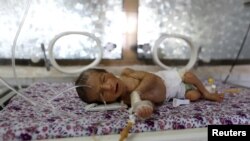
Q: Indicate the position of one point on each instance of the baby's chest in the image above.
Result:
(131, 83)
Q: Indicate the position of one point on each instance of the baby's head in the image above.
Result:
(101, 86)
(82, 81)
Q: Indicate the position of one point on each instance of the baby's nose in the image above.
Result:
(106, 87)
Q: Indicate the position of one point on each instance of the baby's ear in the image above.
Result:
(77, 80)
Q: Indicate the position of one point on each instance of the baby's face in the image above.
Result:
(105, 87)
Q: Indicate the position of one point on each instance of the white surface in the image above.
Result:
(196, 134)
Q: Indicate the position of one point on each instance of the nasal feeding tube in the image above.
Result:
(31, 101)
(34, 103)
(51, 57)
(51, 45)
(54, 97)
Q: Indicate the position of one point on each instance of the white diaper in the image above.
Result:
(175, 88)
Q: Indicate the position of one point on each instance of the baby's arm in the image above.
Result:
(146, 92)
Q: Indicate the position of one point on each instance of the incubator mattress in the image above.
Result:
(19, 120)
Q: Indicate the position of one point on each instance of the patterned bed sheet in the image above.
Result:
(19, 120)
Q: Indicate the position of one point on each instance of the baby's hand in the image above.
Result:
(144, 109)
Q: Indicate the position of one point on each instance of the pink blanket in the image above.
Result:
(19, 120)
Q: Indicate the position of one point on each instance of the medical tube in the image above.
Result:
(15, 41)
(8, 86)
(41, 105)
(60, 93)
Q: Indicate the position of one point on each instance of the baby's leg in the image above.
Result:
(193, 95)
(190, 78)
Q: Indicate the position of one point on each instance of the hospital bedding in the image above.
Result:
(19, 120)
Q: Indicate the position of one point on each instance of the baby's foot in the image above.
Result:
(215, 97)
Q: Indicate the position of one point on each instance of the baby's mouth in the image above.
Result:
(116, 88)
